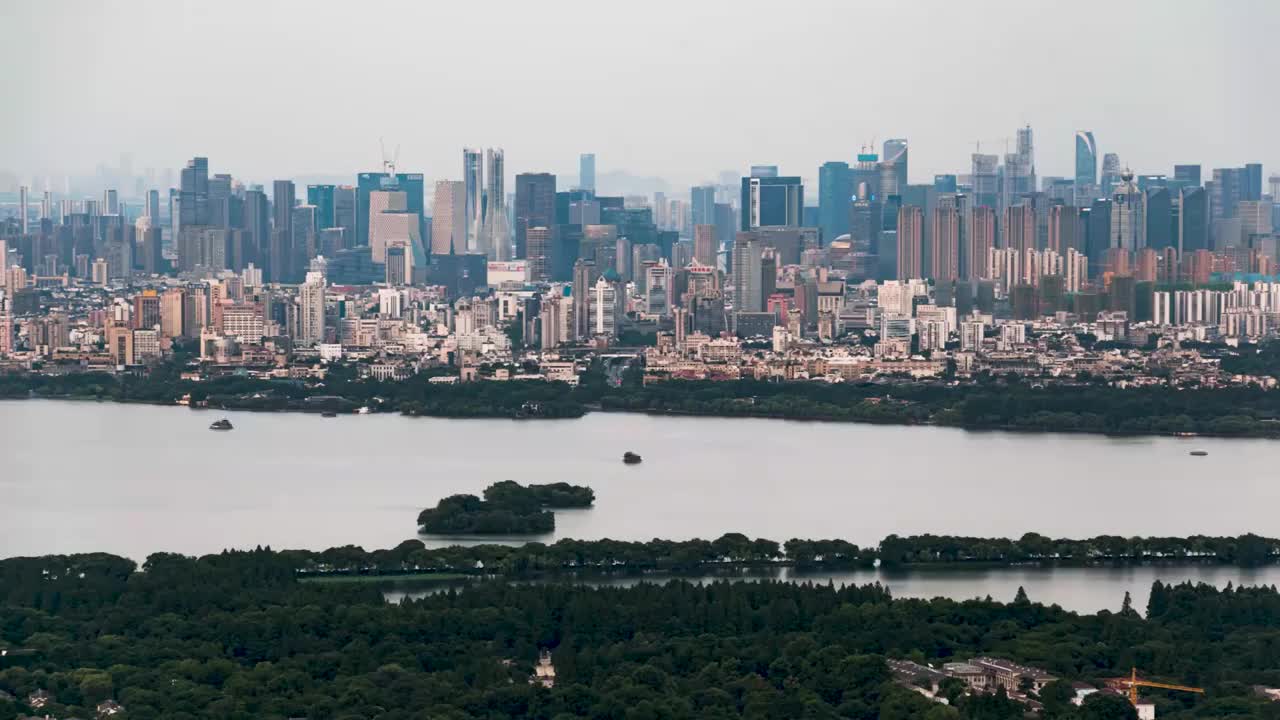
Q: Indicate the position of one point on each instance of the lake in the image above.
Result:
(135, 479)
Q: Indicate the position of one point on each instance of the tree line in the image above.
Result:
(985, 403)
(236, 635)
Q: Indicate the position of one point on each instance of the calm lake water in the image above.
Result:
(134, 479)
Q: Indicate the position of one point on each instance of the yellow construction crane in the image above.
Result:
(1134, 683)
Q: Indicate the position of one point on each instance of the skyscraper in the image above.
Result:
(703, 202)
(411, 184)
(311, 321)
(835, 195)
(1086, 167)
(448, 218)
(473, 179)
(1188, 175)
(322, 197)
(945, 240)
(535, 205)
(1158, 214)
(771, 202)
(496, 234)
(587, 172)
(1252, 182)
(22, 210)
(986, 186)
(1110, 173)
(910, 242)
(895, 154)
(1019, 229)
(705, 246)
(193, 196)
(1128, 221)
(152, 209)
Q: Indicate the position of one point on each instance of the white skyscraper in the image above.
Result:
(496, 233)
(311, 310)
(473, 211)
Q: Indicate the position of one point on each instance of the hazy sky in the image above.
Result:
(682, 90)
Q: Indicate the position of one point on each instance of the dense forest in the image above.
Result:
(986, 403)
(508, 508)
(236, 636)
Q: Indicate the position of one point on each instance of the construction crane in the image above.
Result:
(389, 161)
(1134, 683)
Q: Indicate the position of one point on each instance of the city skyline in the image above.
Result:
(54, 135)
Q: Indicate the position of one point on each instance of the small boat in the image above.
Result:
(630, 458)
(1199, 453)
(223, 424)
(328, 413)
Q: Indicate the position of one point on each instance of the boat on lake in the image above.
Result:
(223, 424)
(328, 413)
(1199, 453)
(630, 458)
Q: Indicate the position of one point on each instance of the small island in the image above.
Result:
(508, 508)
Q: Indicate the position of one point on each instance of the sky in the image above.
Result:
(678, 89)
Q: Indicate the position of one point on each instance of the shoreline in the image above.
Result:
(320, 408)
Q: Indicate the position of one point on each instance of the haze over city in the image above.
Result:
(674, 90)
(709, 360)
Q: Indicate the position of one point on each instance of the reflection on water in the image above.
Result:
(1080, 589)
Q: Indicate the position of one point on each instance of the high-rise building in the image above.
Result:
(22, 209)
(1187, 175)
(1128, 222)
(895, 155)
(538, 246)
(702, 201)
(705, 246)
(344, 213)
(391, 221)
(148, 236)
(771, 202)
(411, 184)
(945, 241)
(449, 218)
(473, 208)
(748, 295)
(835, 195)
(584, 275)
(1020, 168)
(982, 239)
(311, 321)
(910, 242)
(1252, 178)
(1065, 231)
(303, 233)
(1193, 220)
(535, 206)
(194, 194)
(282, 202)
(1158, 215)
(1086, 159)
(1019, 229)
(986, 183)
(496, 234)
(1110, 173)
(322, 197)
(152, 208)
(256, 221)
(587, 172)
